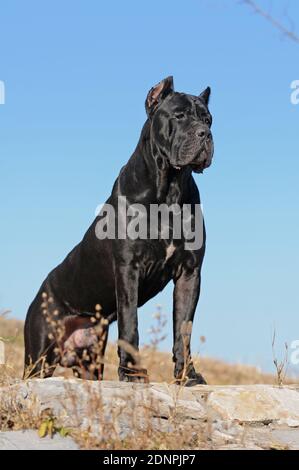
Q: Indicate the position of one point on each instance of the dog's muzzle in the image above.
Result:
(198, 151)
(204, 157)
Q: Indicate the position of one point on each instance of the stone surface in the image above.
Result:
(255, 403)
(29, 440)
(248, 417)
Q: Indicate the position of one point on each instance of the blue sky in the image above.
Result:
(76, 75)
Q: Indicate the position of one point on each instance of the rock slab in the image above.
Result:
(245, 416)
(29, 440)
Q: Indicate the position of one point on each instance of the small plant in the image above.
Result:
(49, 427)
(156, 331)
(280, 366)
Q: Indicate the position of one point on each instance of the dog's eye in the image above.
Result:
(179, 115)
(208, 121)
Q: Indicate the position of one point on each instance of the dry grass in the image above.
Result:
(11, 331)
(159, 364)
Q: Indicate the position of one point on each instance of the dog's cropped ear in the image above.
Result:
(157, 94)
(205, 95)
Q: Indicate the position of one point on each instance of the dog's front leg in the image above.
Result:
(127, 278)
(186, 294)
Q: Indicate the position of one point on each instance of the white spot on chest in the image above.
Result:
(170, 251)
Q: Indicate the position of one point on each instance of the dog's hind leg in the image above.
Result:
(40, 366)
(40, 356)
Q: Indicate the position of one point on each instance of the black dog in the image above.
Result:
(121, 274)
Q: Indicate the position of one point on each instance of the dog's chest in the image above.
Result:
(162, 261)
(170, 250)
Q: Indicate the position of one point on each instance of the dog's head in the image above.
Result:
(181, 126)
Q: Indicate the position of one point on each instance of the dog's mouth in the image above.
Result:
(197, 168)
(202, 160)
(200, 167)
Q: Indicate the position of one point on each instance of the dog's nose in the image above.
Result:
(200, 133)
(204, 134)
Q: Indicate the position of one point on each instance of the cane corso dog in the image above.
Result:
(120, 273)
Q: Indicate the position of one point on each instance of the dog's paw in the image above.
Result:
(195, 379)
(133, 375)
(190, 379)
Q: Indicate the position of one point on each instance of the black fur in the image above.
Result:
(122, 275)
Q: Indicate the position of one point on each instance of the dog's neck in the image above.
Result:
(151, 176)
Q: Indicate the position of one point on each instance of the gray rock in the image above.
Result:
(255, 403)
(287, 437)
(253, 416)
(29, 440)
